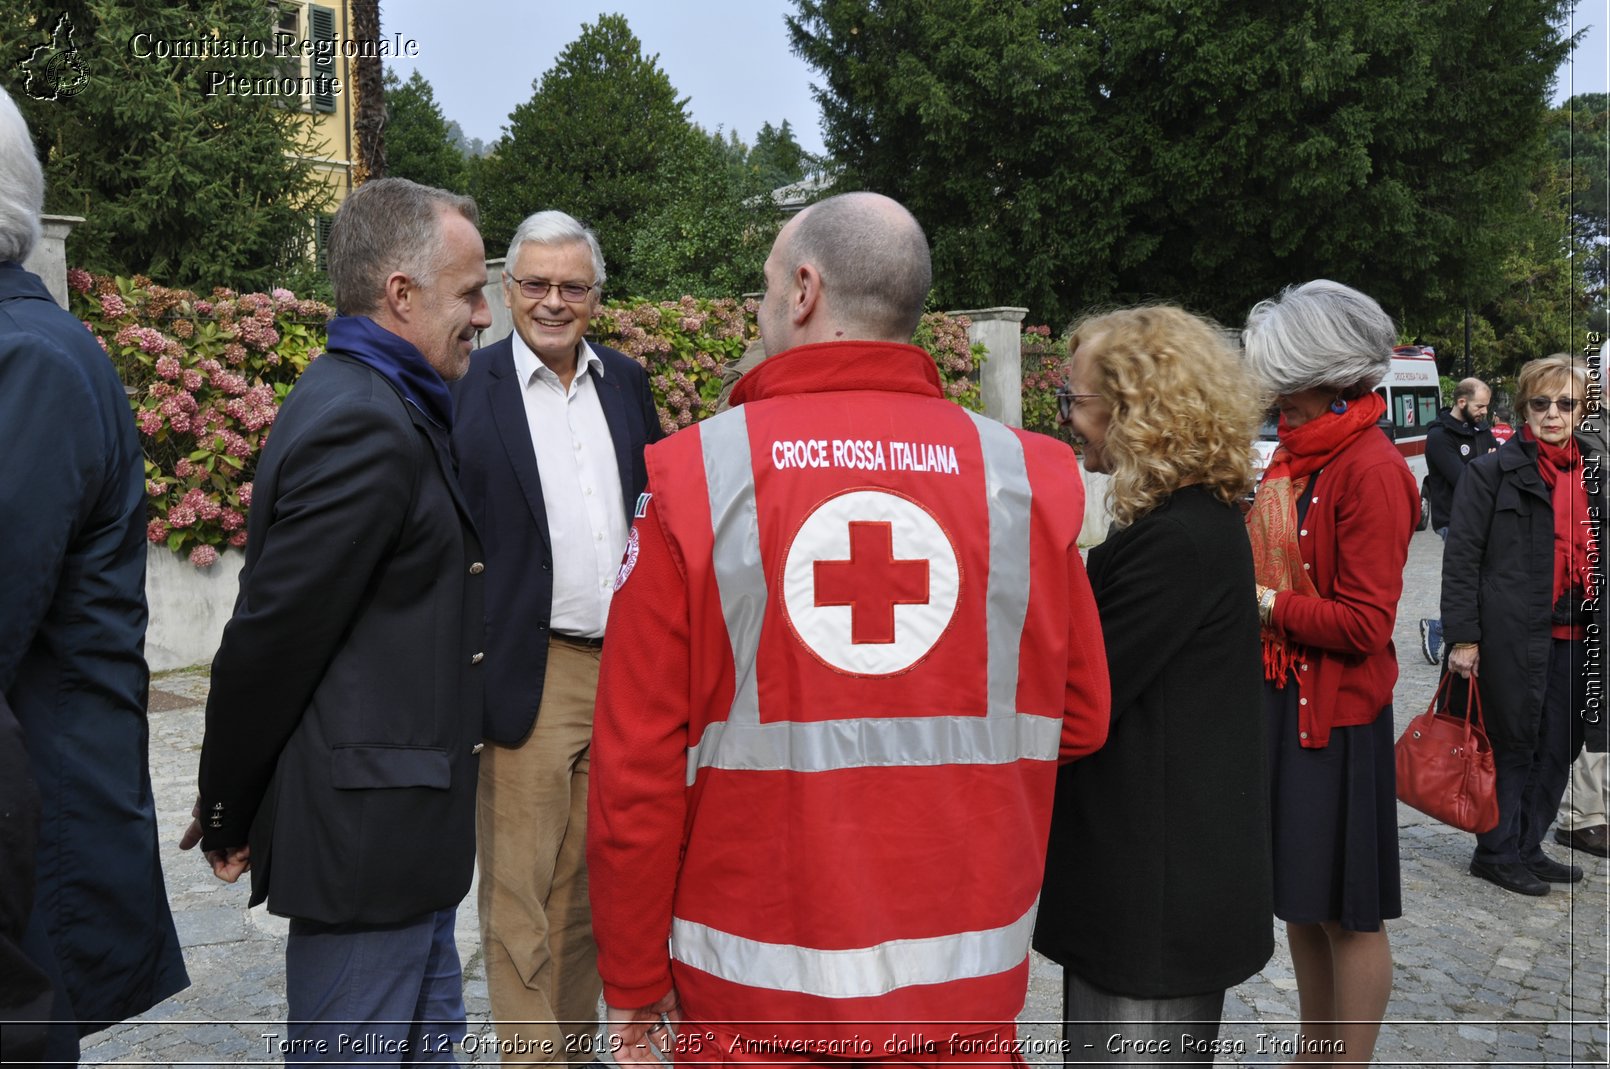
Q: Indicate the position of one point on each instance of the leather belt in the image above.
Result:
(577, 640)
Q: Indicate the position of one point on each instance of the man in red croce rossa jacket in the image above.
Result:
(862, 637)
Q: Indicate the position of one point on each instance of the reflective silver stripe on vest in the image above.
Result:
(742, 742)
(1006, 478)
(862, 972)
(740, 578)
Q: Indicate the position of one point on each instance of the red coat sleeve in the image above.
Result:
(637, 775)
(1087, 709)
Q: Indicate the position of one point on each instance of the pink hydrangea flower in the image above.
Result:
(156, 531)
(150, 421)
(184, 468)
(79, 280)
(203, 556)
(238, 539)
(191, 378)
(114, 306)
(181, 516)
(245, 495)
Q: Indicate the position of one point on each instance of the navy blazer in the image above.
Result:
(498, 472)
(341, 723)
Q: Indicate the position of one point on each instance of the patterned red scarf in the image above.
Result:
(1272, 523)
(1561, 466)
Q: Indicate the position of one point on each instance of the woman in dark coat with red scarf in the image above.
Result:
(1330, 531)
(1518, 586)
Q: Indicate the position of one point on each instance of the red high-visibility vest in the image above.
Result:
(851, 635)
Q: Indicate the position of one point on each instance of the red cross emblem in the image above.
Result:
(871, 582)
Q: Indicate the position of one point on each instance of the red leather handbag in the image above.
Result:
(1445, 765)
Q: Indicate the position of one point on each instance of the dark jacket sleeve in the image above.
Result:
(651, 414)
(1467, 547)
(342, 492)
(50, 476)
(1442, 455)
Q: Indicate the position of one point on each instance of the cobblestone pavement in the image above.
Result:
(1483, 977)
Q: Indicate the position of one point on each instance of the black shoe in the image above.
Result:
(1546, 868)
(1425, 643)
(1594, 840)
(1511, 877)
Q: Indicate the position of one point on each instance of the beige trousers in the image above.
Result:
(531, 828)
(1584, 804)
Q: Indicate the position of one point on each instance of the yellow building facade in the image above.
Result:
(322, 58)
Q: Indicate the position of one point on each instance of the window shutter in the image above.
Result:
(321, 24)
(321, 241)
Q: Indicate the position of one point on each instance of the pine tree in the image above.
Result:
(182, 168)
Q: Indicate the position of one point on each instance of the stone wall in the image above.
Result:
(189, 606)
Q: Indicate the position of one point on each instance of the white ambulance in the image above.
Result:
(1413, 394)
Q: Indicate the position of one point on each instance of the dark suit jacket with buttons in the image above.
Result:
(498, 470)
(344, 711)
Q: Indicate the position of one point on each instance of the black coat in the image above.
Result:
(344, 713)
(1158, 880)
(498, 470)
(72, 665)
(1451, 444)
(1498, 580)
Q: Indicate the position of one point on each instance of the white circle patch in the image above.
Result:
(870, 582)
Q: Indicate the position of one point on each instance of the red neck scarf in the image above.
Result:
(1561, 468)
(1272, 523)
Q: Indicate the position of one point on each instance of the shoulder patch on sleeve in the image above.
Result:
(630, 560)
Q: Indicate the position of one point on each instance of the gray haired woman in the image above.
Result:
(1330, 530)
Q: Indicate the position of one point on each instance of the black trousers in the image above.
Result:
(1531, 780)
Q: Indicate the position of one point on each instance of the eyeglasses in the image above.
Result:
(1567, 405)
(537, 288)
(1066, 399)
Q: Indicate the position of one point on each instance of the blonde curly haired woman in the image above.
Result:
(1157, 884)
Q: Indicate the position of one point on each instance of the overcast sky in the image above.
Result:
(729, 57)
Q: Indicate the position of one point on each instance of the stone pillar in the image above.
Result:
(1001, 332)
(502, 321)
(49, 258)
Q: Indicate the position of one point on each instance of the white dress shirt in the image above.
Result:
(581, 487)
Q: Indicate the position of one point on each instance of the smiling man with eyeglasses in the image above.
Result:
(549, 438)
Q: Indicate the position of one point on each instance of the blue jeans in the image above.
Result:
(1100, 1026)
(384, 995)
(1435, 630)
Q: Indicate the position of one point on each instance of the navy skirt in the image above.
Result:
(1334, 818)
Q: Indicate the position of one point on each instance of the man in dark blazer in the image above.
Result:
(339, 763)
(87, 936)
(549, 439)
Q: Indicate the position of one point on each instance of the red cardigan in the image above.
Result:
(1354, 542)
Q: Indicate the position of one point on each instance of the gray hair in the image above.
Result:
(22, 184)
(385, 226)
(873, 258)
(556, 228)
(1320, 334)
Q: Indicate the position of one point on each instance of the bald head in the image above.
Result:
(854, 266)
